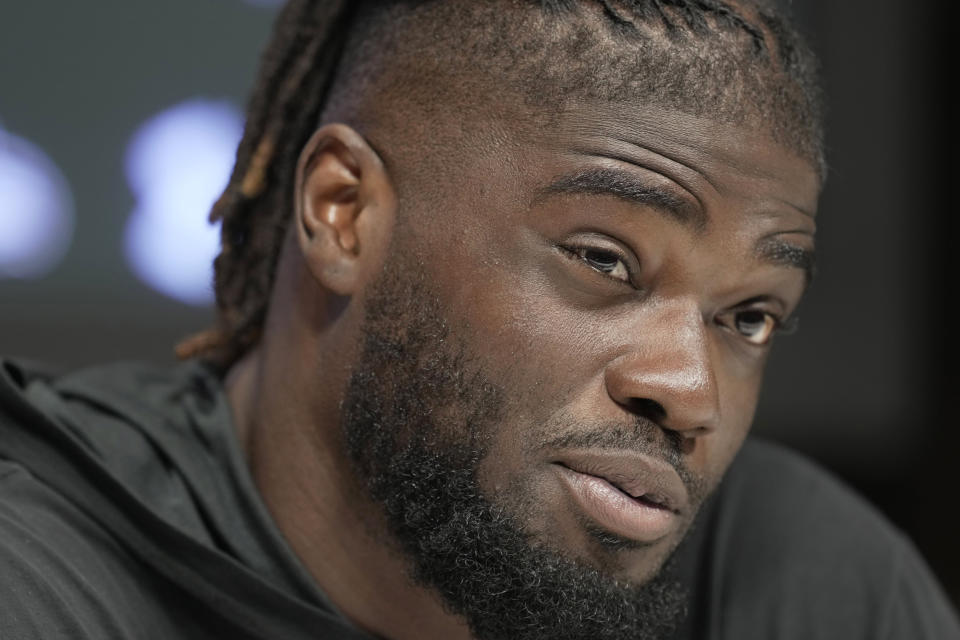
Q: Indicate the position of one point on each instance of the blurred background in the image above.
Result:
(118, 124)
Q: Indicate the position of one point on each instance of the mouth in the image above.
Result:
(634, 496)
(651, 500)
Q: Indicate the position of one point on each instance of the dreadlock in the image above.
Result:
(300, 68)
(290, 90)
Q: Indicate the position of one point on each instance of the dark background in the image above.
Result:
(868, 385)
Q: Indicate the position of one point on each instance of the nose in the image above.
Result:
(667, 374)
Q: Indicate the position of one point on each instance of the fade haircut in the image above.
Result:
(352, 60)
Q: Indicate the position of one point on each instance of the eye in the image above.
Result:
(755, 325)
(604, 261)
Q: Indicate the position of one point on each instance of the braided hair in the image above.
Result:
(297, 77)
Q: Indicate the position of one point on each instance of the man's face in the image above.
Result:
(578, 318)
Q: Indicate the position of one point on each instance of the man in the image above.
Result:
(497, 286)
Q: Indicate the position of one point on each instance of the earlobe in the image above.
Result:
(344, 205)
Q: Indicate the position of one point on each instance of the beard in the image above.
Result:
(418, 417)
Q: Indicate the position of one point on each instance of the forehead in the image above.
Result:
(702, 155)
(697, 159)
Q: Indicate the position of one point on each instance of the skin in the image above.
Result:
(515, 268)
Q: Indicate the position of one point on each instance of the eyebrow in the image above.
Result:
(632, 188)
(781, 253)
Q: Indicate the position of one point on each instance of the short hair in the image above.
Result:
(733, 62)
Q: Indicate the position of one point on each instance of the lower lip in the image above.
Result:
(615, 511)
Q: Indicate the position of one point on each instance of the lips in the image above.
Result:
(632, 495)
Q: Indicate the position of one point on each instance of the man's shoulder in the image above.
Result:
(65, 450)
(128, 393)
(789, 493)
(60, 568)
(124, 514)
(797, 551)
(130, 390)
(797, 519)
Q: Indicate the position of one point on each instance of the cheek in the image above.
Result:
(739, 378)
(738, 387)
(499, 300)
(541, 356)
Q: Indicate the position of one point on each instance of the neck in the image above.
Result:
(298, 462)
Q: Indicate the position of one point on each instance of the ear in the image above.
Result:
(345, 208)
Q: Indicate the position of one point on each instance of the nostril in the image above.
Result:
(647, 408)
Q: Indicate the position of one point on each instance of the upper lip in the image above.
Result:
(636, 474)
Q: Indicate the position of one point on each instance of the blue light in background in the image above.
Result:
(177, 165)
(36, 210)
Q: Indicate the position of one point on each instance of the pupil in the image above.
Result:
(751, 321)
(603, 261)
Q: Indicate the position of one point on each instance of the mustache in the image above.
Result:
(641, 435)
